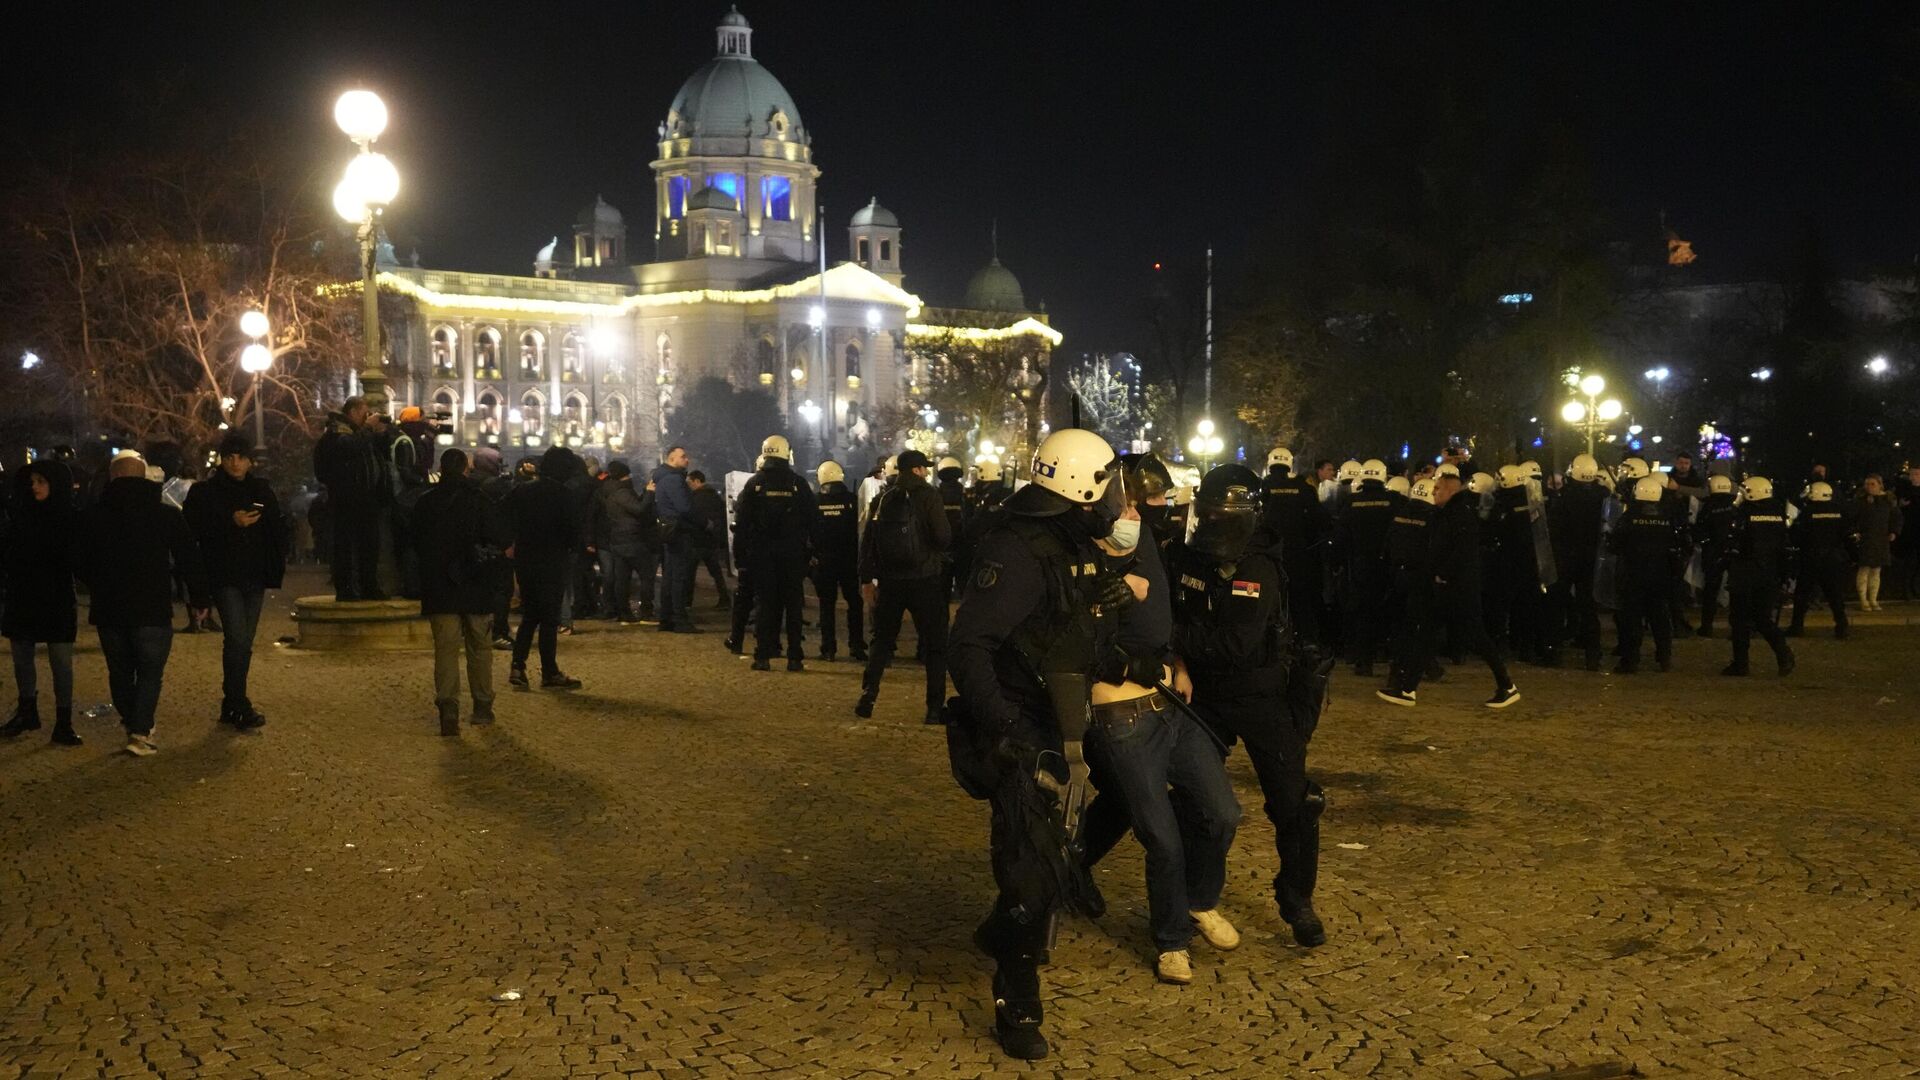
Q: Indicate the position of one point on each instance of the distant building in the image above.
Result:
(592, 347)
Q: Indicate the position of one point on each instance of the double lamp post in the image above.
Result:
(370, 185)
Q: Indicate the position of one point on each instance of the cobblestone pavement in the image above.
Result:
(690, 869)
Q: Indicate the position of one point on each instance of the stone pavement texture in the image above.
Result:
(693, 870)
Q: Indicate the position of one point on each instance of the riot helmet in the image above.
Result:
(1719, 485)
(1280, 456)
(1649, 489)
(830, 472)
(1634, 468)
(1584, 468)
(1756, 488)
(776, 446)
(1373, 469)
(1398, 485)
(1074, 468)
(1423, 491)
(1227, 511)
(1820, 491)
(1349, 472)
(1482, 483)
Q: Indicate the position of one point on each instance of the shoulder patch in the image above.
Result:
(1250, 589)
(987, 576)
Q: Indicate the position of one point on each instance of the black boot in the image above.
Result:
(1300, 870)
(63, 733)
(24, 719)
(1017, 1011)
(864, 707)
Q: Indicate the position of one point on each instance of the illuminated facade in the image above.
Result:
(592, 347)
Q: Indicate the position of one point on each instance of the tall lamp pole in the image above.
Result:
(370, 185)
(1593, 414)
(257, 359)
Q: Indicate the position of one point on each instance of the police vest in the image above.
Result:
(1204, 590)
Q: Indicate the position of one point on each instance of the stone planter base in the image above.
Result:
(378, 625)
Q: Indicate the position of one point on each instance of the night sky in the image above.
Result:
(1101, 139)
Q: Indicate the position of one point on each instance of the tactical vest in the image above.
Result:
(1202, 588)
(1059, 635)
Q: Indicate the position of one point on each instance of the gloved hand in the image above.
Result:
(1113, 593)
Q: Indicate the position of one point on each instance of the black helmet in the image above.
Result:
(1227, 511)
(1147, 477)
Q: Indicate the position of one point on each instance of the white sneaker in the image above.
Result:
(1175, 967)
(141, 746)
(1216, 929)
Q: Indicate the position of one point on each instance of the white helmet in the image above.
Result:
(759, 462)
(1584, 468)
(1531, 470)
(890, 469)
(1719, 485)
(1373, 469)
(1349, 471)
(1280, 455)
(1634, 468)
(1423, 492)
(1821, 491)
(776, 447)
(1511, 476)
(1398, 485)
(1449, 469)
(1756, 488)
(1649, 489)
(830, 472)
(1075, 464)
(990, 471)
(948, 463)
(1482, 483)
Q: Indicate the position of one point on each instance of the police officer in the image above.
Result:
(1453, 568)
(903, 571)
(1023, 645)
(836, 562)
(1821, 533)
(1646, 542)
(1713, 531)
(1759, 561)
(1150, 486)
(1516, 615)
(1235, 645)
(1361, 539)
(1292, 513)
(953, 497)
(987, 491)
(1411, 602)
(774, 516)
(1577, 516)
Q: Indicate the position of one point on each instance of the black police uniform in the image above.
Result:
(1231, 629)
(774, 515)
(1713, 531)
(1516, 614)
(1028, 608)
(1409, 605)
(836, 569)
(1576, 518)
(1292, 513)
(1647, 545)
(1452, 573)
(1362, 541)
(953, 498)
(1821, 532)
(1759, 560)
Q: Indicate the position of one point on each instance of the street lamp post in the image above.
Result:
(370, 185)
(1205, 445)
(1592, 415)
(257, 359)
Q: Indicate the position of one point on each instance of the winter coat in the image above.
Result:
(1877, 520)
(626, 519)
(709, 519)
(131, 545)
(673, 499)
(252, 559)
(544, 530)
(348, 463)
(773, 516)
(924, 505)
(1453, 544)
(459, 558)
(40, 543)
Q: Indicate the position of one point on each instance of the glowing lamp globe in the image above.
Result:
(1206, 428)
(1196, 445)
(1592, 385)
(347, 202)
(1573, 412)
(254, 324)
(361, 114)
(374, 179)
(1609, 409)
(256, 358)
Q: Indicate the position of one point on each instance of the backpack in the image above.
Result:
(899, 539)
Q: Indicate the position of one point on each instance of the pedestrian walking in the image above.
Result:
(902, 560)
(459, 556)
(1877, 527)
(243, 543)
(41, 541)
(545, 535)
(132, 543)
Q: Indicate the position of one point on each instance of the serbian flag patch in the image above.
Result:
(1247, 588)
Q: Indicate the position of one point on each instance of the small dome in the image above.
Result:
(712, 198)
(600, 213)
(734, 18)
(995, 288)
(875, 214)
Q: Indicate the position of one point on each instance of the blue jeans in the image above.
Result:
(239, 617)
(1133, 762)
(136, 658)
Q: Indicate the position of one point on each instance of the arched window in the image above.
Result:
(664, 346)
(533, 413)
(853, 361)
(613, 413)
(533, 352)
(570, 353)
(446, 401)
(488, 412)
(486, 349)
(573, 414)
(446, 354)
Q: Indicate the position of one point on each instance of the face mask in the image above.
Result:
(1125, 535)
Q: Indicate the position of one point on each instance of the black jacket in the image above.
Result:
(1646, 542)
(836, 530)
(709, 518)
(625, 521)
(924, 504)
(545, 531)
(1292, 511)
(132, 544)
(40, 558)
(1362, 532)
(1230, 622)
(349, 464)
(774, 515)
(1574, 520)
(1760, 541)
(458, 556)
(252, 559)
(1453, 544)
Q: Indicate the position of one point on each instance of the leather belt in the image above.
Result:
(1122, 712)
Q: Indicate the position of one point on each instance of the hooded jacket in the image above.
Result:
(40, 558)
(348, 462)
(132, 544)
(250, 559)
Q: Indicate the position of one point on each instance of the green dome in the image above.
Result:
(995, 288)
(875, 214)
(732, 96)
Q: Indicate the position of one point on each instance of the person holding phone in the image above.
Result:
(243, 543)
